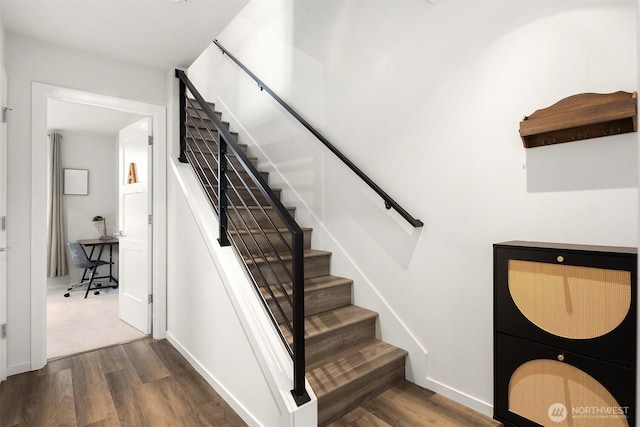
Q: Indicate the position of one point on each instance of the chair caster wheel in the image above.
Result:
(96, 293)
(67, 295)
(69, 289)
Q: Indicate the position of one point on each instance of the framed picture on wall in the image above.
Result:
(76, 181)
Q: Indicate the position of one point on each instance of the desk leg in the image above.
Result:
(99, 253)
(111, 264)
(84, 274)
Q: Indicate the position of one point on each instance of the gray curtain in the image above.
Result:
(56, 249)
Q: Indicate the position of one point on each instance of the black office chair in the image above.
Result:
(81, 260)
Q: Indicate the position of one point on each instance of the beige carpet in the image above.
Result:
(75, 324)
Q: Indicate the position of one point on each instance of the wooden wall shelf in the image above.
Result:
(583, 116)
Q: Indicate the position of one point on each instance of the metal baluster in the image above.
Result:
(183, 121)
(222, 190)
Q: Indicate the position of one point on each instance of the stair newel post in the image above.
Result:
(299, 391)
(222, 190)
(183, 121)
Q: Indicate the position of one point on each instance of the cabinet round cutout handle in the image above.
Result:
(561, 357)
(560, 258)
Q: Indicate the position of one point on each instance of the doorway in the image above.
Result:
(41, 95)
(87, 148)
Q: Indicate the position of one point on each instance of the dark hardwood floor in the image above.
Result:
(408, 405)
(148, 383)
(142, 383)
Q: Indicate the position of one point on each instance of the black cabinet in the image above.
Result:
(564, 334)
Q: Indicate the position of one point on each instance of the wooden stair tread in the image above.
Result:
(275, 190)
(321, 323)
(270, 208)
(243, 179)
(321, 293)
(308, 253)
(270, 230)
(319, 283)
(240, 169)
(199, 124)
(214, 154)
(192, 114)
(328, 375)
(196, 129)
(266, 239)
(196, 106)
(201, 137)
(269, 211)
(191, 100)
(207, 154)
(312, 285)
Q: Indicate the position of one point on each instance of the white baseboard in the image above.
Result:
(18, 369)
(213, 382)
(460, 397)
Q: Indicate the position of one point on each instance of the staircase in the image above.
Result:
(345, 363)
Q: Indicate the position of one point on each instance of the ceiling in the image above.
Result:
(154, 33)
(161, 34)
(87, 119)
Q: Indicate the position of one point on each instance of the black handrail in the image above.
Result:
(388, 201)
(225, 140)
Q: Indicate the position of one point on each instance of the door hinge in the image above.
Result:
(3, 223)
(3, 330)
(150, 220)
(5, 110)
(150, 139)
(150, 299)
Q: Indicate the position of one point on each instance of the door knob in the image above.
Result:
(4, 249)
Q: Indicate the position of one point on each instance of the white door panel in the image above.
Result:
(135, 240)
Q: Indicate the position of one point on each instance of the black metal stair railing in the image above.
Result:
(252, 218)
(388, 201)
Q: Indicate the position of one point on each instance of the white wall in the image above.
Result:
(27, 61)
(426, 99)
(215, 319)
(3, 37)
(97, 154)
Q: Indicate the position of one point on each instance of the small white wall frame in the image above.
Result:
(76, 181)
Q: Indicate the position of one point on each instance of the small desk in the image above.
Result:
(100, 244)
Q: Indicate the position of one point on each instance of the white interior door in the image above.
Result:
(134, 208)
(3, 232)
